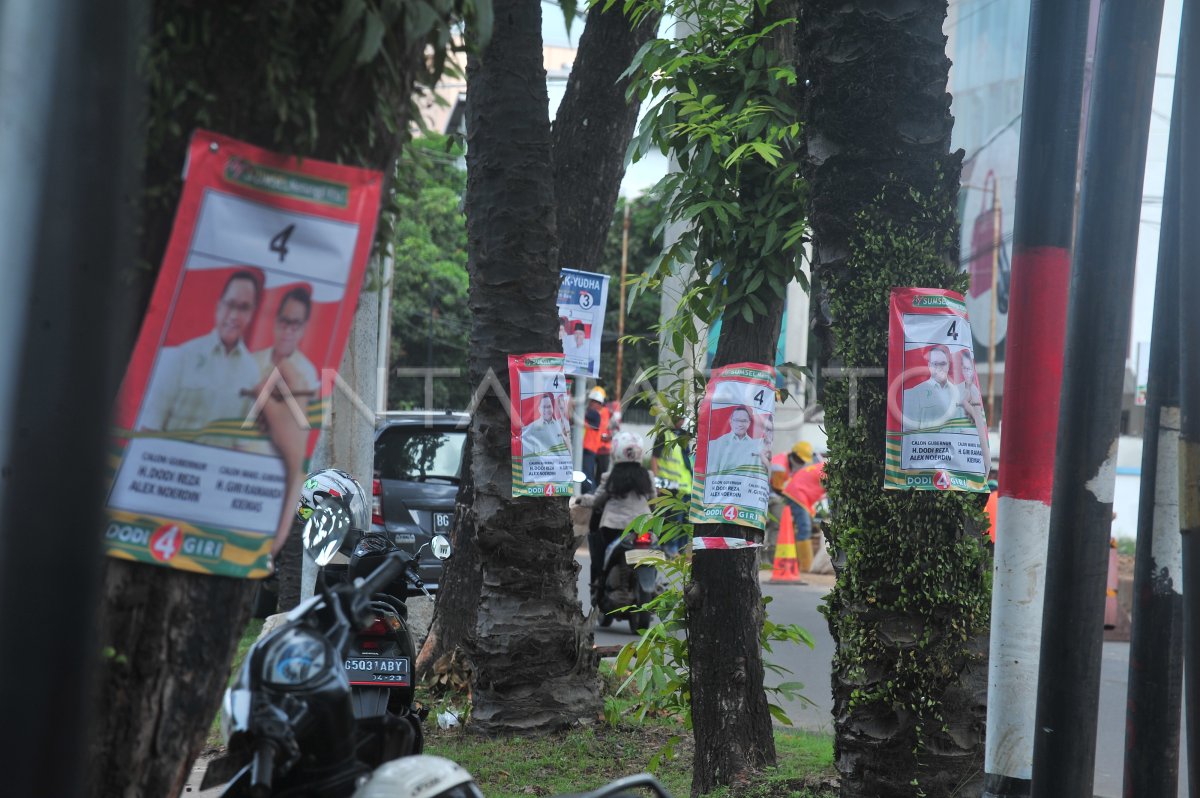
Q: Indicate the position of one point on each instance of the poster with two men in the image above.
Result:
(222, 401)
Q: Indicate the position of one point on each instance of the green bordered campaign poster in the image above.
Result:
(222, 402)
(541, 428)
(733, 446)
(936, 430)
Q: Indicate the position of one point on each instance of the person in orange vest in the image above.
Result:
(802, 492)
(781, 467)
(597, 439)
(990, 508)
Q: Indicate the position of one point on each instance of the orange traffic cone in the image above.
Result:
(786, 569)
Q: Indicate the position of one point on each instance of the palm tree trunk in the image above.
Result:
(531, 654)
(908, 677)
(591, 131)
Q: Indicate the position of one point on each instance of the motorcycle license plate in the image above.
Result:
(383, 671)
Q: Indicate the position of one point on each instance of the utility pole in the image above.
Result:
(1188, 81)
(1155, 649)
(621, 316)
(1041, 261)
(1098, 322)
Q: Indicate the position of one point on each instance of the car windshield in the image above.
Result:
(419, 454)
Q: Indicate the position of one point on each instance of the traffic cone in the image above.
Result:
(786, 569)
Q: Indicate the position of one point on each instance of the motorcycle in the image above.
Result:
(326, 697)
(629, 579)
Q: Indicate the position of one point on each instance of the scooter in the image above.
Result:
(628, 578)
(324, 699)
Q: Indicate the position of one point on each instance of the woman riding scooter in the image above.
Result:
(623, 495)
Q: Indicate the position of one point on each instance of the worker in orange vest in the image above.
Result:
(803, 490)
(597, 438)
(782, 466)
(990, 508)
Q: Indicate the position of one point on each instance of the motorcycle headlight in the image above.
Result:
(296, 657)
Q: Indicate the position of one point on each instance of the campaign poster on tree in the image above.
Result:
(936, 428)
(223, 397)
(582, 297)
(733, 446)
(541, 425)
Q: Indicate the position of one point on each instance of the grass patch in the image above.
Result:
(584, 759)
(249, 635)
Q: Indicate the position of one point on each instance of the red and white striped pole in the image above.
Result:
(1041, 264)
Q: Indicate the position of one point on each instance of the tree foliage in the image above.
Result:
(430, 319)
(724, 106)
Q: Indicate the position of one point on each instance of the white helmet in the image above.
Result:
(320, 486)
(628, 448)
(420, 776)
(597, 395)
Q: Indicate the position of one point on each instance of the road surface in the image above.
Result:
(798, 604)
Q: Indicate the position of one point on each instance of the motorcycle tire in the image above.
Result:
(639, 621)
(605, 620)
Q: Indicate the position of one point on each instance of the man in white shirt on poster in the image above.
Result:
(736, 448)
(205, 379)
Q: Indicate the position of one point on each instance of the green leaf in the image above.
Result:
(779, 715)
(372, 39)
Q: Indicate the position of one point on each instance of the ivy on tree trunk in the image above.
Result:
(909, 676)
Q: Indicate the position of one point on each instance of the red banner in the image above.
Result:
(222, 401)
(936, 430)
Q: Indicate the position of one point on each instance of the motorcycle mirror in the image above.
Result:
(324, 532)
(440, 546)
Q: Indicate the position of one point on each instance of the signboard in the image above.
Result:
(581, 300)
(733, 446)
(936, 429)
(248, 319)
(541, 425)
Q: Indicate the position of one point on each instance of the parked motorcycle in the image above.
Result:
(326, 698)
(628, 578)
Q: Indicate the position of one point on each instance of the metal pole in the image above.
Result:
(385, 332)
(1155, 653)
(69, 149)
(621, 316)
(1188, 80)
(1042, 227)
(1098, 322)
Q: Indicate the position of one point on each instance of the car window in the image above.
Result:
(418, 454)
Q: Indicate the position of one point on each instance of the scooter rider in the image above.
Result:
(624, 494)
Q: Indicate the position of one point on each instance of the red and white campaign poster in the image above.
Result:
(221, 404)
(541, 428)
(733, 446)
(936, 429)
